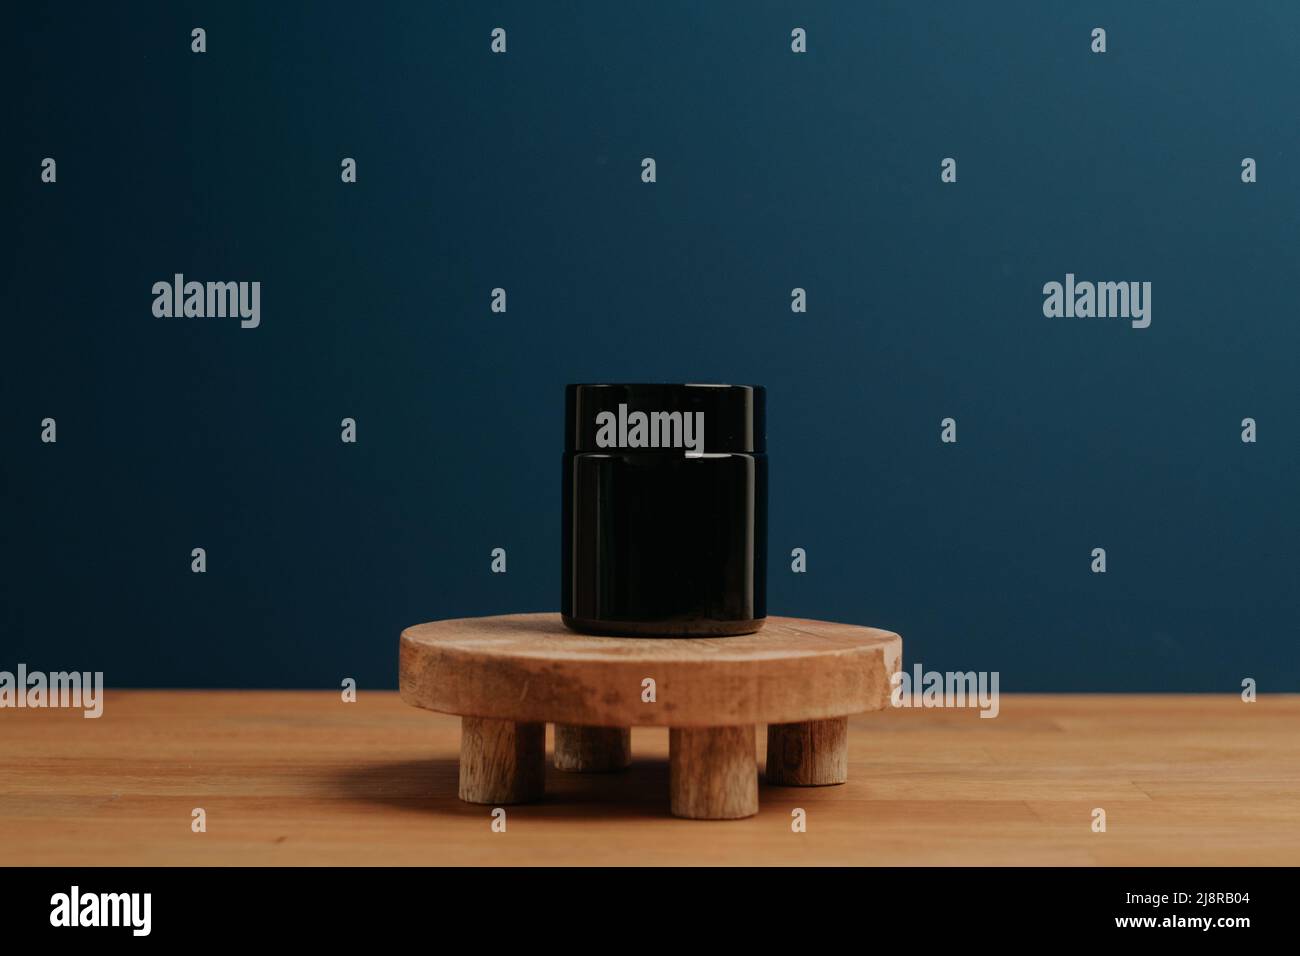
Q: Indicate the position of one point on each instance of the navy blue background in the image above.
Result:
(775, 170)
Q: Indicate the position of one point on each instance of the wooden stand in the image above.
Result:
(509, 676)
(501, 761)
(811, 754)
(592, 749)
(712, 772)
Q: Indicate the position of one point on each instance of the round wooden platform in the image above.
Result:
(509, 676)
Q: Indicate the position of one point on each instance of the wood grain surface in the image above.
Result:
(592, 749)
(303, 778)
(530, 667)
(813, 754)
(712, 773)
(501, 761)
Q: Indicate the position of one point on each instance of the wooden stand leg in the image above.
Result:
(592, 749)
(713, 772)
(811, 754)
(501, 761)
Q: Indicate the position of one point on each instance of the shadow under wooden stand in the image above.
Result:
(508, 676)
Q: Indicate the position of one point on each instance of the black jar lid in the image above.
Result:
(734, 419)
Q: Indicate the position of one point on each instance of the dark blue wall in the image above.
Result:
(775, 170)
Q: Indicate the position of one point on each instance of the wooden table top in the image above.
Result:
(304, 778)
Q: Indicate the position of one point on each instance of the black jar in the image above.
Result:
(664, 510)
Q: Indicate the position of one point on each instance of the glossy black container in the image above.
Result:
(668, 540)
